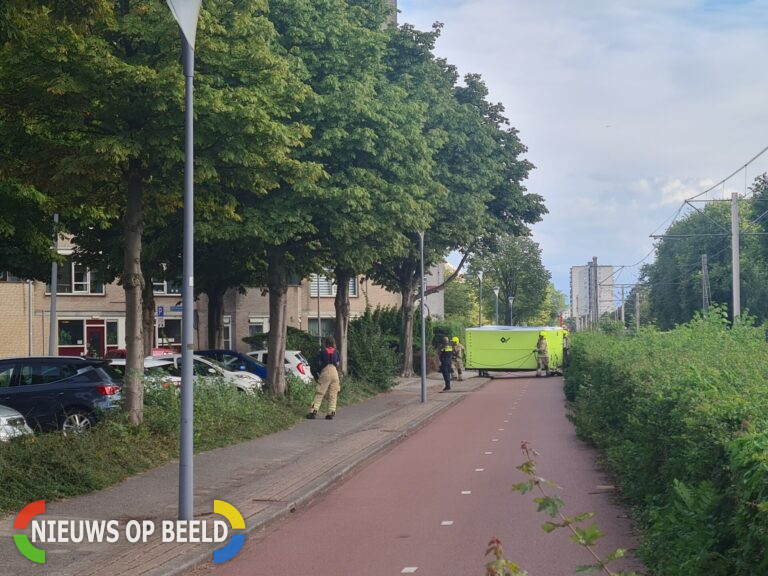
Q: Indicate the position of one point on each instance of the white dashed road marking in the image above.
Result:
(409, 570)
(446, 523)
(466, 492)
(479, 469)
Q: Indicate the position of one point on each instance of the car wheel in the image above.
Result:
(76, 422)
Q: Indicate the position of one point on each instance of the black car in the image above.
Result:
(235, 361)
(58, 392)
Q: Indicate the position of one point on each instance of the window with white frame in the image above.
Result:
(327, 287)
(74, 278)
(8, 277)
(227, 332)
(167, 286)
(257, 325)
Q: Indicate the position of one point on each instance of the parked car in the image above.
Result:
(58, 392)
(12, 424)
(295, 364)
(208, 369)
(235, 361)
(158, 373)
(123, 353)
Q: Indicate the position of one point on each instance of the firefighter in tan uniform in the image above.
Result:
(458, 358)
(328, 382)
(542, 355)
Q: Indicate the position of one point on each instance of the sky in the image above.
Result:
(627, 108)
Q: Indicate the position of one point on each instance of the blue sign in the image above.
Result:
(176, 308)
(160, 311)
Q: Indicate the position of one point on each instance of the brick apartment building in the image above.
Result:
(90, 315)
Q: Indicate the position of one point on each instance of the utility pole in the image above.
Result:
(595, 295)
(622, 305)
(52, 350)
(704, 284)
(735, 254)
(637, 309)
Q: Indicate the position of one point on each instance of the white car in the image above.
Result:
(12, 424)
(157, 373)
(207, 368)
(295, 364)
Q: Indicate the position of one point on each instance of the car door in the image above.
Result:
(41, 391)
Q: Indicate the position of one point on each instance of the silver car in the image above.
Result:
(12, 424)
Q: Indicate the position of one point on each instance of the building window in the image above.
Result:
(170, 333)
(328, 287)
(111, 332)
(327, 326)
(8, 277)
(73, 278)
(167, 287)
(227, 332)
(257, 325)
(71, 333)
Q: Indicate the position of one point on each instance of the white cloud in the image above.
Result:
(627, 107)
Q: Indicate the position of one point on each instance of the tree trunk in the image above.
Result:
(148, 314)
(341, 303)
(277, 284)
(133, 284)
(408, 297)
(215, 318)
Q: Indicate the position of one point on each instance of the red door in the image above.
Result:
(94, 337)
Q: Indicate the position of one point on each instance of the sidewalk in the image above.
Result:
(264, 479)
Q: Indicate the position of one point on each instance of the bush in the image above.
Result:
(370, 356)
(449, 328)
(683, 419)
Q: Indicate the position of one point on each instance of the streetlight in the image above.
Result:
(480, 299)
(510, 299)
(423, 325)
(186, 13)
(496, 291)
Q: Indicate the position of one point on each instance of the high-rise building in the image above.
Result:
(394, 14)
(585, 295)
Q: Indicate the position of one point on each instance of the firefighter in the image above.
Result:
(446, 361)
(542, 355)
(458, 357)
(328, 382)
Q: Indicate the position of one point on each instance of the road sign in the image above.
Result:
(177, 308)
(160, 311)
(161, 322)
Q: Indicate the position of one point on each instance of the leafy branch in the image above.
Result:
(552, 506)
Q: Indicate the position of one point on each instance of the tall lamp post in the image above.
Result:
(423, 325)
(510, 299)
(480, 299)
(496, 291)
(186, 13)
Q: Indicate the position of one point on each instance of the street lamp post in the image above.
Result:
(480, 299)
(423, 325)
(186, 13)
(510, 299)
(496, 291)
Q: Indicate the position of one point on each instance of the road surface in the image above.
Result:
(430, 505)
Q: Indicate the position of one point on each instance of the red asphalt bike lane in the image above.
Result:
(430, 505)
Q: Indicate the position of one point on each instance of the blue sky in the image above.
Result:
(627, 107)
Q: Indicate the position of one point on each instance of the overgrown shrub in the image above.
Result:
(371, 357)
(683, 419)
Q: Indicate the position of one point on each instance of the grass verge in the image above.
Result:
(53, 466)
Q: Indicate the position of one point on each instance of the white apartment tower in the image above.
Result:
(590, 294)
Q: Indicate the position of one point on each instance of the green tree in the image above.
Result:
(460, 300)
(513, 263)
(112, 151)
(474, 155)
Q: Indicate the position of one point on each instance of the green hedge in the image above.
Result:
(682, 417)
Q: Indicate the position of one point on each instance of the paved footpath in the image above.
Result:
(265, 479)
